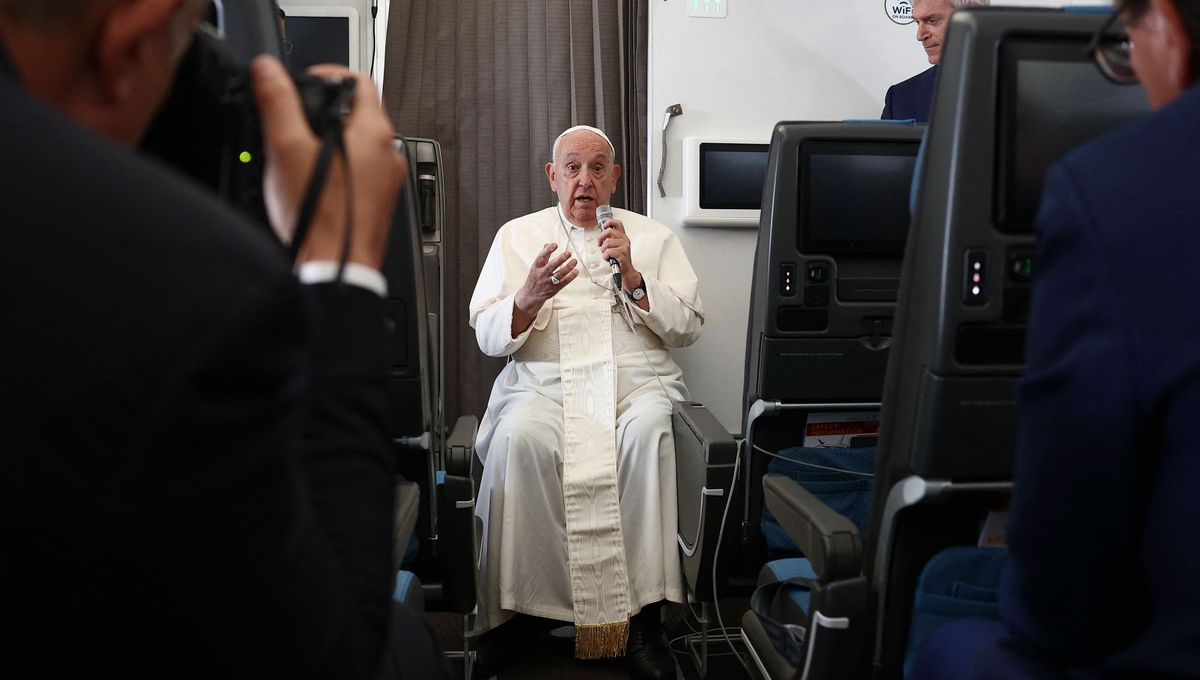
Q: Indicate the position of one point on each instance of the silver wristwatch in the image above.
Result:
(640, 292)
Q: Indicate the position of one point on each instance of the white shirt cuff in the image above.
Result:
(355, 274)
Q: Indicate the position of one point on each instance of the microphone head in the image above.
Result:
(604, 213)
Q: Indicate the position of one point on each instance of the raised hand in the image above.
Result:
(548, 275)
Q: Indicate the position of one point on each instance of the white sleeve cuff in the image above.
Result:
(355, 274)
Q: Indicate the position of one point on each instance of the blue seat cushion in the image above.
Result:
(817, 470)
(795, 607)
(957, 583)
(408, 591)
(781, 605)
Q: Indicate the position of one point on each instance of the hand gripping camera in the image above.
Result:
(209, 127)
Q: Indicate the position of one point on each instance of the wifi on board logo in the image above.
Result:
(899, 11)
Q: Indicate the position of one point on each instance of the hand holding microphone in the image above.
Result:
(613, 244)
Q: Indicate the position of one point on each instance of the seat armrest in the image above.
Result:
(460, 446)
(704, 469)
(830, 541)
(717, 445)
(456, 541)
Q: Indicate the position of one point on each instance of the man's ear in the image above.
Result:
(550, 176)
(616, 174)
(130, 34)
(1178, 46)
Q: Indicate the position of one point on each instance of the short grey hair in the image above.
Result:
(959, 4)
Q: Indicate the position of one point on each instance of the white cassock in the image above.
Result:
(579, 524)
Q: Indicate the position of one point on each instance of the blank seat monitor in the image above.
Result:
(855, 197)
(322, 34)
(1053, 98)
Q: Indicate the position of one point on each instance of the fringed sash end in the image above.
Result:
(603, 641)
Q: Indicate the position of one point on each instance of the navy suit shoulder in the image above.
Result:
(1138, 186)
(911, 99)
(197, 480)
(1108, 450)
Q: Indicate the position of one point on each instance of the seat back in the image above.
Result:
(425, 156)
(1016, 90)
(827, 268)
(409, 380)
(414, 273)
(833, 223)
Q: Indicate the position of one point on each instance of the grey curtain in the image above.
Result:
(494, 83)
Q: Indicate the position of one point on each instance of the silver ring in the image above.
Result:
(554, 279)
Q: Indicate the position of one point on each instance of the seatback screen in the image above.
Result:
(854, 196)
(1053, 98)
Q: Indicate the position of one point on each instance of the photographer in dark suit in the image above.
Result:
(196, 478)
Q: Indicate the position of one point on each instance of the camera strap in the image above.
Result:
(331, 141)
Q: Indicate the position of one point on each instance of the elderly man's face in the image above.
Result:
(583, 175)
(932, 17)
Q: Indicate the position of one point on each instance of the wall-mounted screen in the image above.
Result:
(732, 175)
(1053, 98)
(723, 181)
(853, 196)
(322, 35)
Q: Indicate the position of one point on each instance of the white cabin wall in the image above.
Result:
(767, 61)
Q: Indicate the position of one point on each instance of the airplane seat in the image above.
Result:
(805, 616)
(827, 266)
(441, 574)
(826, 271)
(1019, 90)
(803, 609)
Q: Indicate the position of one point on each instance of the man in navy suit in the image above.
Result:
(196, 475)
(1104, 574)
(910, 99)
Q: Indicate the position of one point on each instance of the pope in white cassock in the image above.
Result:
(577, 498)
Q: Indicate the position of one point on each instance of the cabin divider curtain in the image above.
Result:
(494, 83)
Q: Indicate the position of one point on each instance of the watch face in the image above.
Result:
(638, 293)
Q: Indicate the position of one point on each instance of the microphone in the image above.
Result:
(604, 213)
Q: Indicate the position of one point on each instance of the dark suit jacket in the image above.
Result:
(195, 479)
(1105, 523)
(911, 99)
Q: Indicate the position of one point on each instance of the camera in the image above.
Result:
(209, 125)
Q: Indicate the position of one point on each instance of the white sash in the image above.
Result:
(595, 545)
